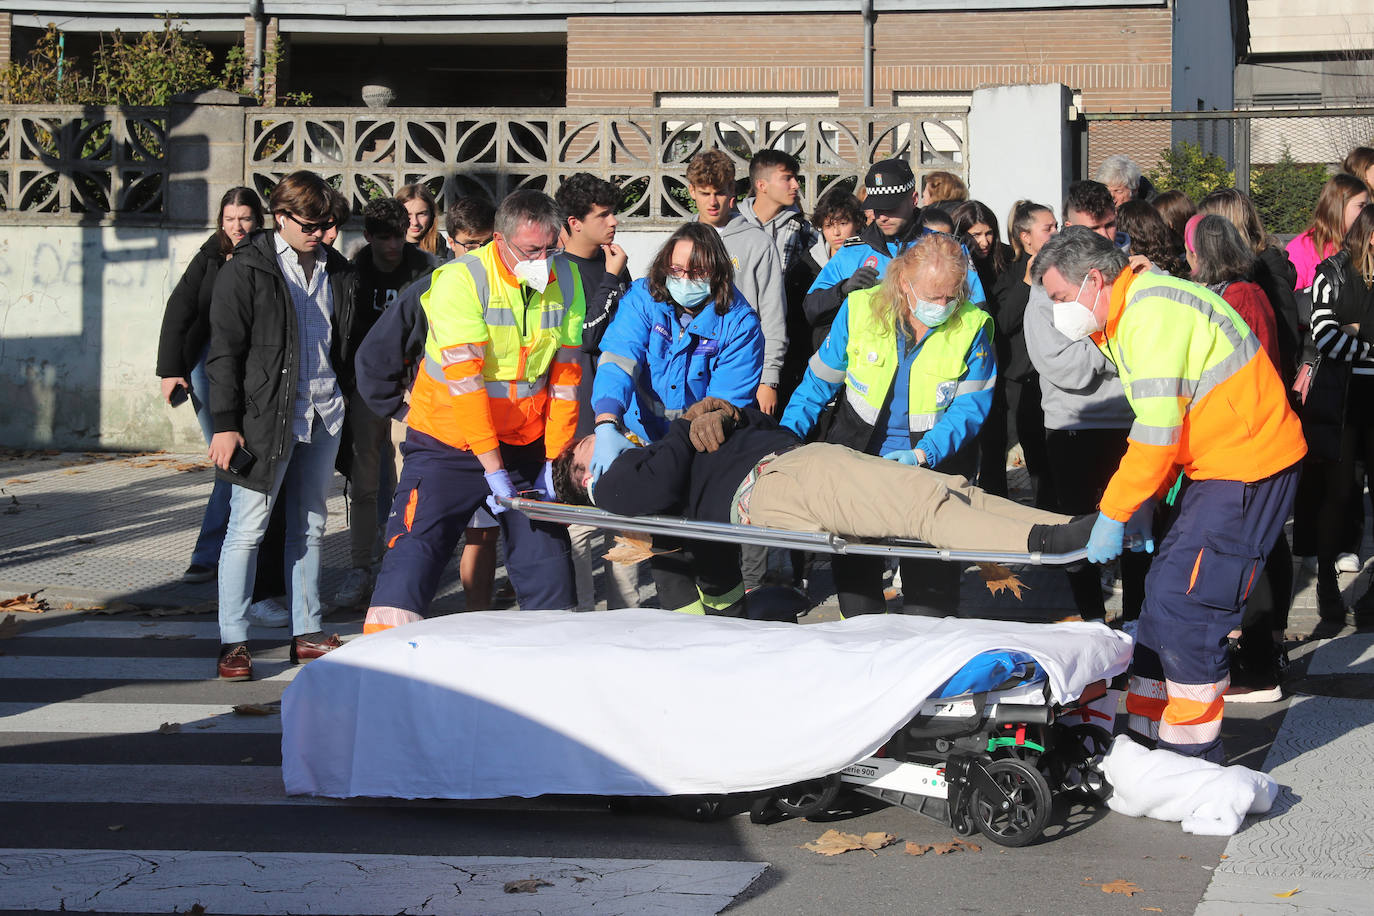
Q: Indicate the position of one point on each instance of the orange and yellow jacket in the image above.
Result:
(1207, 400)
(501, 361)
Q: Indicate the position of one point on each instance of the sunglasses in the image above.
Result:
(310, 228)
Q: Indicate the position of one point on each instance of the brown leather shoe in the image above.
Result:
(235, 664)
(303, 650)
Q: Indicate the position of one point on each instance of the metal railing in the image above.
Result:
(1279, 156)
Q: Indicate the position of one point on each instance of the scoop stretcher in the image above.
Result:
(816, 541)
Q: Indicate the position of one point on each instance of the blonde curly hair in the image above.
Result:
(935, 251)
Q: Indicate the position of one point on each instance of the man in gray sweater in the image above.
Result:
(758, 269)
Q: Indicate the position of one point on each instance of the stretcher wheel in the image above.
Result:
(807, 798)
(1029, 811)
(1084, 746)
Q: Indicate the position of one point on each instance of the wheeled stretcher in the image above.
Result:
(817, 541)
(649, 703)
(984, 760)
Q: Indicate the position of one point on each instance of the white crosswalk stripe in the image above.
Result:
(126, 732)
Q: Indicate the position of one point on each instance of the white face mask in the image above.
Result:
(930, 314)
(534, 274)
(1074, 319)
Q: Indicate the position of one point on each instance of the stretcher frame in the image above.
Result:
(815, 541)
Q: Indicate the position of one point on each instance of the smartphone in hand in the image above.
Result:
(178, 396)
(241, 461)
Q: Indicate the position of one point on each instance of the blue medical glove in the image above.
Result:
(1140, 530)
(544, 482)
(500, 485)
(914, 457)
(610, 442)
(1104, 544)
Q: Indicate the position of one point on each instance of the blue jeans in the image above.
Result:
(302, 478)
(216, 518)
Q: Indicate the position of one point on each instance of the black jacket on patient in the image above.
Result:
(670, 477)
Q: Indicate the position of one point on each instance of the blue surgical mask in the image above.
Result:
(931, 314)
(688, 293)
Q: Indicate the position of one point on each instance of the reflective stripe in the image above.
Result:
(1193, 715)
(920, 422)
(1203, 307)
(1226, 368)
(433, 371)
(1146, 699)
(567, 356)
(671, 414)
(564, 392)
(451, 355)
(615, 359)
(516, 390)
(866, 411)
(479, 276)
(1144, 726)
(1155, 435)
(1161, 388)
(553, 318)
(498, 316)
(969, 386)
(464, 386)
(824, 371)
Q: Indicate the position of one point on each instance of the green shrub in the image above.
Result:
(1190, 169)
(1285, 193)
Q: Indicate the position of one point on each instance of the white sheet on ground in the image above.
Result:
(1207, 798)
(635, 702)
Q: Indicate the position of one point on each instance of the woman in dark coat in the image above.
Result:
(181, 352)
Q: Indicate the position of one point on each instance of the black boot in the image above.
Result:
(1330, 605)
(1364, 610)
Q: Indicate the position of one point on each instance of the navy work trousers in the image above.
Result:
(439, 489)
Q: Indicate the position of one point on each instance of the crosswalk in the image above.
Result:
(129, 784)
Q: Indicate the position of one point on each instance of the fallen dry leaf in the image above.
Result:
(254, 709)
(18, 480)
(833, 842)
(1152, 909)
(525, 886)
(9, 626)
(940, 849)
(998, 578)
(1288, 893)
(25, 604)
(630, 549)
(169, 728)
(1120, 886)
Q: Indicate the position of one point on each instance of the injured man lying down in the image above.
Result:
(720, 463)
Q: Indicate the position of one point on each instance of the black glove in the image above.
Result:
(863, 278)
(710, 430)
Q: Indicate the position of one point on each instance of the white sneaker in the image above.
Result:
(268, 613)
(1348, 563)
(356, 588)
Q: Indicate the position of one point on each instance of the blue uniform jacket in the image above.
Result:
(960, 422)
(652, 369)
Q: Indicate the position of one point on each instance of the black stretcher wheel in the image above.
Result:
(804, 799)
(1029, 811)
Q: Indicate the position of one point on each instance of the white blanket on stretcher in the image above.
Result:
(635, 702)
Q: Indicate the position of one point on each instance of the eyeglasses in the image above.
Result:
(472, 245)
(684, 273)
(537, 254)
(310, 228)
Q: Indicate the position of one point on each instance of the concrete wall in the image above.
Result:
(80, 313)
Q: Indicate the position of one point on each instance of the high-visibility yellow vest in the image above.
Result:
(936, 372)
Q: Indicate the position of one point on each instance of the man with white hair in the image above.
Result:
(1123, 178)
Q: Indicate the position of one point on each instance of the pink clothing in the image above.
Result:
(1302, 251)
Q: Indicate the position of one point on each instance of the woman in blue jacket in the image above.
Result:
(912, 364)
(681, 334)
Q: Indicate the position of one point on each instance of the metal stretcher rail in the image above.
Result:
(818, 541)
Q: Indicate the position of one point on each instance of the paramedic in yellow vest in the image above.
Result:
(912, 362)
(495, 398)
(1209, 406)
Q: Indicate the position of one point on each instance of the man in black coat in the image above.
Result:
(281, 310)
